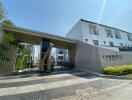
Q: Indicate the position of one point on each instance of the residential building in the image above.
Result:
(100, 35)
(61, 55)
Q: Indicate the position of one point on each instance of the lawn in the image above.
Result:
(129, 76)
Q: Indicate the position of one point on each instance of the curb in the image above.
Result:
(19, 74)
(109, 76)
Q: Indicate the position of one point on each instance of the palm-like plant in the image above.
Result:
(11, 39)
(2, 55)
(23, 55)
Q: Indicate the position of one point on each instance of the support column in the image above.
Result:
(1, 34)
(45, 56)
(72, 53)
(8, 55)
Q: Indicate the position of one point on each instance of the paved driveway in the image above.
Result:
(64, 86)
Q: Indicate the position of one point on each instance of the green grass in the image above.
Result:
(118, 70)
(129, 75)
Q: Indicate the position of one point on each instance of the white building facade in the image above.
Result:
(61, 55)
(100, 35)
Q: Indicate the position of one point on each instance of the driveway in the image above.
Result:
(121, 93)
(72, 85)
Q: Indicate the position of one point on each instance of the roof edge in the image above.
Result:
(5, 27)
(104, 25)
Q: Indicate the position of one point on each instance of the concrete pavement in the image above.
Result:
(122, 93)
(64, 86)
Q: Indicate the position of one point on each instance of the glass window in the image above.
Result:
(96, 32)
(93, 29)
(129, 37)
(111, 43)
(60, 57)
(104, 42)
(109, 32)
(60, 51)
(117, 34)
(121, 44)
(86, 40)
(95, 42)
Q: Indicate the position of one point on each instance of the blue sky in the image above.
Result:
(58, 16)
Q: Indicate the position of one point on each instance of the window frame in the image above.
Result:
(109, 33)
(96, 42)
(93, 29)
(117, 34)
(86, 40)
(111, 44)
(129, 37)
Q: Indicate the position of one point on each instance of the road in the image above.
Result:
(64, 86)
(121, 93)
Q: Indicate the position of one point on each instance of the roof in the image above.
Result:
(104, 25)
(35, 37)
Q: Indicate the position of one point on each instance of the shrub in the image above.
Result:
(118, 70)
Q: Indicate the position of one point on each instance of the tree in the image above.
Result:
(10, 38)
(2, 47)
(8, 22)
(22, 58)
(7, 37)
(2, 12)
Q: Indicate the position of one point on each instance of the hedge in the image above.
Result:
(118, 70)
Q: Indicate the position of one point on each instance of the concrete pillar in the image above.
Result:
(45, 56)
(72, 53)
(7, 65)
(1, 34)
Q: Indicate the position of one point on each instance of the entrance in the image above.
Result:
(27, 58)
(60, 60)
(24, 50)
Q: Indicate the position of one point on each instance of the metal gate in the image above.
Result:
(60, 65)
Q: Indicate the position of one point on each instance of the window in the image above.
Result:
(117, 34)
(60, 57)
(104, 42)
(129, 37)
(60, 51)
(111, 43)
(93, 29)
(95, 42)
(109, 32)
(95, 32)
(121, 44)
(86, 40)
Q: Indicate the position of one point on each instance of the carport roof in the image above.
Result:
(35, 37)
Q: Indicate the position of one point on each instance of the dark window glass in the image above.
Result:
(86, 40)
(60, 57)
(109, 32)
(121, 44)
(111, 43)
(117, 34)
(95, 42)
(60, 51)
(129, 37)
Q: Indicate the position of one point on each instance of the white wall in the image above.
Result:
(93, 58)
(111, 48)
(75, 32)
(81, 30)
